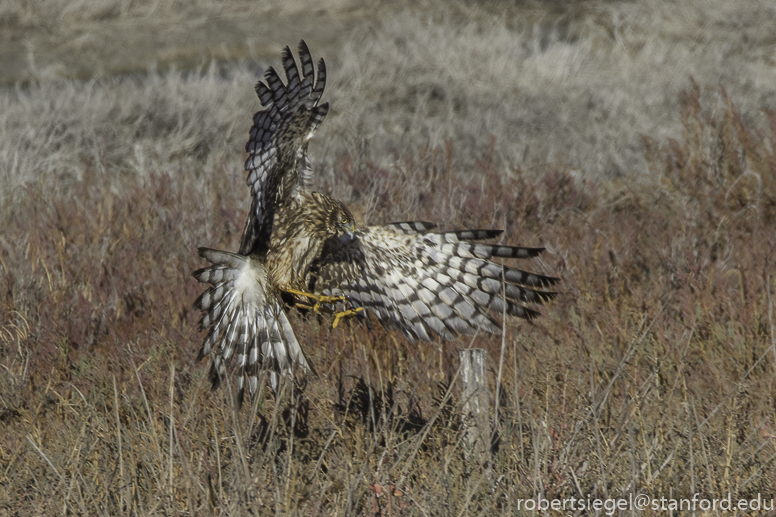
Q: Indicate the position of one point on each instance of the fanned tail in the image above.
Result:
(246, 323)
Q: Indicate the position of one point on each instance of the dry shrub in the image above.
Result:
(653, 372)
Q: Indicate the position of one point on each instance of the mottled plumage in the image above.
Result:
(299, 235)
(278, 168)
(428, 283)
(407, 276)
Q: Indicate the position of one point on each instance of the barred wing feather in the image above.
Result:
(277, 165)
(431, 284)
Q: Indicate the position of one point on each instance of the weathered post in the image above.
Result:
(476, 405)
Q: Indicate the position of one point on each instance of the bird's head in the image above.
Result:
(334, 218)
(341, 221)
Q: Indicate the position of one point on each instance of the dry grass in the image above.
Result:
(653, 372)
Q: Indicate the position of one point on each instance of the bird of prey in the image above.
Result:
(305, 248)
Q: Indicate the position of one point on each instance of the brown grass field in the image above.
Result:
(635, 141)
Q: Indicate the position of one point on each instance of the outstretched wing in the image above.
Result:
(246, 322)
(277, 165)
(430, 283)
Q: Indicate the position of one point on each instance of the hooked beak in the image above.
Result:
(349, 234)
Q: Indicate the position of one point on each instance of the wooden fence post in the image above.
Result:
(476, 404)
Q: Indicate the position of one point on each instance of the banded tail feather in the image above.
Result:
(247, 325)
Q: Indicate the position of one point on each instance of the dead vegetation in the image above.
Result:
(653, 372)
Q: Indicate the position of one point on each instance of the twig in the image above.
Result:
(150, 416)
(597, 432)
(320, 458)
(236, 430)
(722, 403)
(172, 382)
(770, 321)
(218, 460)
(62, 479)
(595, 405)
(118, 437)
(503, 346)
(517, 402)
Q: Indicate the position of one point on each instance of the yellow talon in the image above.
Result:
(350, 312)
(321, 298)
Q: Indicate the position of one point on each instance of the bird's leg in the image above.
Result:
(339, 315)
(317, 298)
(322, 298)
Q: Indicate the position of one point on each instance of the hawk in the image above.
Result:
(305, 248)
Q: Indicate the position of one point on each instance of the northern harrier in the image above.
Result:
(307, 247)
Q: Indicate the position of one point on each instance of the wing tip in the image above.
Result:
(302, 48)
